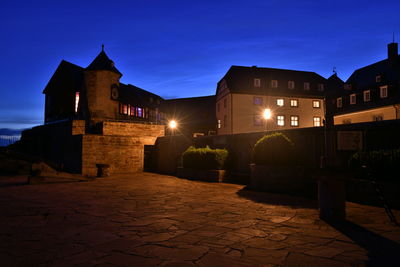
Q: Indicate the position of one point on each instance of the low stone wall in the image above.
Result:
(124, 154)
(147, 132)
(71, 149)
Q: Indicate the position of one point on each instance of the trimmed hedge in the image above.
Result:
(204, 158)
(274, 149)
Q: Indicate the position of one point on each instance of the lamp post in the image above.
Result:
(267, 115)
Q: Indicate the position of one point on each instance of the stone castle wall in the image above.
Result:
(71, 149)
(124, 154)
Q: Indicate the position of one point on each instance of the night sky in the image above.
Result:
(182, 48)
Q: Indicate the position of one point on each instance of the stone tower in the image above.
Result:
(101, 81)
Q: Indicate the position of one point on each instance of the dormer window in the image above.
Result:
(353, 99)
(367, 95)
(306, 86)
(257, 82)
(378, 78)
(339, 102)
(274, 83)
(383, 91)
(347, 86)
(291, 84)
(321, 87)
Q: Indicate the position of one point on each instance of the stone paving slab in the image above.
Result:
(147, 219)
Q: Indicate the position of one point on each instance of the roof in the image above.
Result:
(240, 79)
(364, 78)
(192, 110)
(70, 76)
(103, 62)
(68, 73)
(133, 95)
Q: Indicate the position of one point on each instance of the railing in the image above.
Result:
(6, 140)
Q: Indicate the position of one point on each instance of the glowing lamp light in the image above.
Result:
(267, 114)
(172, 124)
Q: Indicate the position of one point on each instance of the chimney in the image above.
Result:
(393, 51)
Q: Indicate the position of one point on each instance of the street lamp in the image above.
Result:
(267, 114)
(172, 124)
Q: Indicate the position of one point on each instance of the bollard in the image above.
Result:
(332, 198)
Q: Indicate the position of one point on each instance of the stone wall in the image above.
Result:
(147, 133)
(124, 154)
(67, 145)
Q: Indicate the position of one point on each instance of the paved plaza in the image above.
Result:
(147, 219)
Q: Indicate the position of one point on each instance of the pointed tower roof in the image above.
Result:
(103, 62)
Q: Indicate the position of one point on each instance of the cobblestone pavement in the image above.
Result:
(155, 220)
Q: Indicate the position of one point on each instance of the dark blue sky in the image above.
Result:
(182, 48)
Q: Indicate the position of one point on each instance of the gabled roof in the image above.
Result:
(103, 62)
(68, 73)
(240, 79)
(364, 78)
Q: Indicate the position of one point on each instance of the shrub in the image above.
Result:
(274, 149)
(384, 164)
(204, 158)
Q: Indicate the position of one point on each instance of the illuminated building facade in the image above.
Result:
(294, 98)
(371, 93)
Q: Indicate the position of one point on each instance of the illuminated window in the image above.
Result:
(367, 95)
(321, 87)
(294, 121)
(316, 104)
(280, 102)
(294, 103)
(378, 78)
(258, 120)
(383, 91)
(257, 100)
(76, 101)
(139, 112)
(257, 82)
(123, 109)
(317, 121)
(219, 124)
(274, 83)
(280, 120)
(291, 84)
(353, 99)
(306, 86)
(339, 103)
(132, 109)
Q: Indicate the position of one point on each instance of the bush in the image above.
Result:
(274, 149)
(204, 158)
(383, 164)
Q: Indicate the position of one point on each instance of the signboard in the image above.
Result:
(349, 140)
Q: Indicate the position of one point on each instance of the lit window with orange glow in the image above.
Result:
(280, 120)
(280, 102)
(76, 101)
(317, 121)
